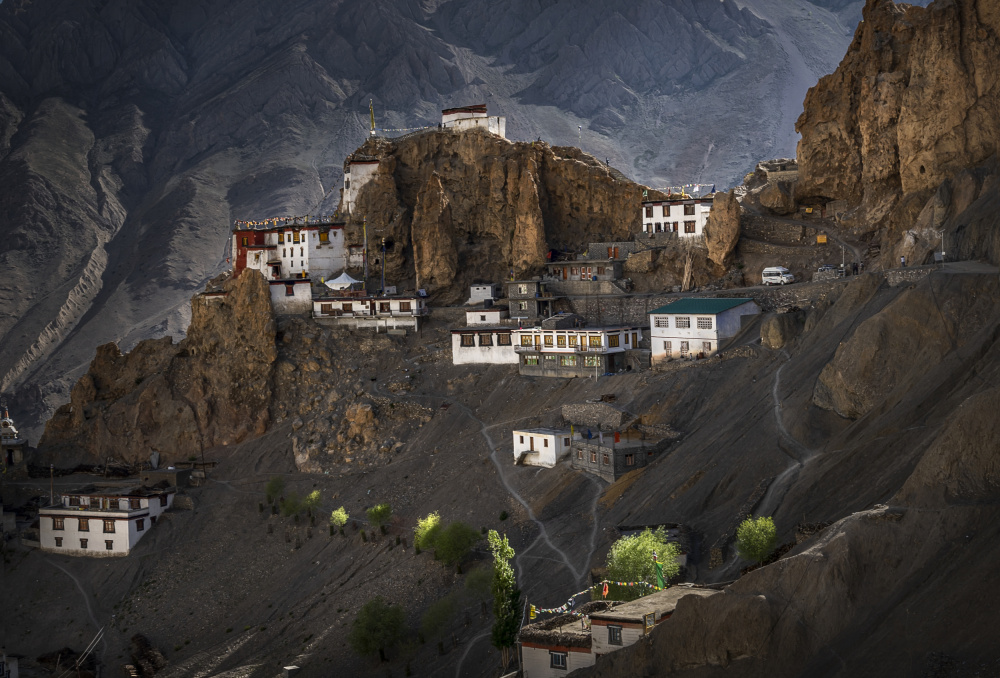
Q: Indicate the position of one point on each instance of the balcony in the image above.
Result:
(539, 348)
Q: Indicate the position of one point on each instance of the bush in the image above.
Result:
(274, 489)
(339, 518)
(631, 560)
(311, 502)
(377, 628)
(437, 615)
(380, 515)
(755, 539)
(426, 531)
(454, 542)
(478, 581)
(292, 505)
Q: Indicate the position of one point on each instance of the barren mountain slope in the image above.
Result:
(132, 133)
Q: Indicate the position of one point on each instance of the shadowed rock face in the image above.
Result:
(133, 133)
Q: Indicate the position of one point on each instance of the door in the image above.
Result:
(531, 443)
(565, 274)
(616, 253)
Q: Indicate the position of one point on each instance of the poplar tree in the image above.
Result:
(506, 598)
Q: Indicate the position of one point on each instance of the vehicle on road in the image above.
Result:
(777, 275)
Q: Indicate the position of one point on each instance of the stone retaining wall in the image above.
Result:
(600, 416)
(905, 276)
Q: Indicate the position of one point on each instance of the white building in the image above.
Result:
(624, 624)
(694, 327)
(473, 117)
(101, 524)
(8, 666)
(541, 446)
(358, 172)
(482, 346)
(357, 309)
(482, 292)
(574, 351)
(685, 217)
(492, 315)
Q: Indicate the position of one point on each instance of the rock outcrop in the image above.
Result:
(914, 104)
(722, 231)
(212, 388)
(495, 206)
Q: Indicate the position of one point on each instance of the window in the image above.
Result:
(606, 459)
(683, 323)
(347, 184)
(572, 340)
(548, 341)
(666, 210)
(591, 361)
(485, 339)
(545, 442)
(83, 543)
(600, 270)
(689, 227)
(630, 460)
(482, 318)
(649, 211)
(404, 306)
(281, 238)
(531, 360)
(295, 237)
(567, 360)
(613, 340)
(522, 439)
(326, 309)
(614, 635)
(522, 306)
(550, 359)
(84, 525)
(163, 500)
(579, 454)
(595, 340)
(384, 307)
(109, 545)
(324, 236)
(593, 457)
(59, 542)
(573, 270)
(503, 340)
(289, 290)
(688, 210)
(668, 348)
(525, 340)
(58, 524)
(561, 341)
(348, 308)
(522, 289)
(661, 322)
(74, 501)
(658, 227)
(246, 241)
(302, 252)
(684, 349)
(468, 340)
(109, 526)
(704, 323)
(706, 346)
(557, 660)
(140, 525)
(133, 503)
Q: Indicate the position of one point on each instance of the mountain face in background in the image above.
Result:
(132, 133)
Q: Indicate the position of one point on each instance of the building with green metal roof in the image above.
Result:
(695, 327)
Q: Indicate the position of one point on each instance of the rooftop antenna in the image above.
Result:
(371, 110)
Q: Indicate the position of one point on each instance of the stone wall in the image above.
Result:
(598, 416)
(599, 250)
(905, 276)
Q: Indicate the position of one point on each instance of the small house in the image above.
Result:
(558, 645)
(482, 345)
(98, 524)
(695, 327)
(683, 217)
(484, 292)
(623, 625)
(358, 310)
(541, 446)
(530, 299)
(487, 315)
(591, 270)
(473, 117)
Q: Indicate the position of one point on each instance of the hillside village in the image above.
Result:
(513, 338)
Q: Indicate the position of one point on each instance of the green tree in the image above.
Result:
(339, 517)
(454, 542)
(274, 489)
(312, 500)
(379, 516)
(437, 615)
(292, 504)
(755, 539)
(506, 598)
(631, 560)
(426, 531)
(377, 628)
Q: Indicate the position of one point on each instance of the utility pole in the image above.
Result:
(383, 267)
(52, 484)
(364, 255)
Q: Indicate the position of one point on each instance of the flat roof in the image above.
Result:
(616, 328)
(543, 431)
(662, 601)
(695, 305)
(475, 329)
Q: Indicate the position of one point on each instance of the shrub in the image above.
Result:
(377, 628)
(503, 516)
(379, 515)
(454, 542)
(426, 531)
(477, 582)
(755, 539)
(339, 518)
(437, 615)
(311, 502)
(631, 560)
(274, 488)
(292, 505)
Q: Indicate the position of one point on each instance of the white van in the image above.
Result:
(777, 275)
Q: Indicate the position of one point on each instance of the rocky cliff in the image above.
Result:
(213, 388)
(456, 208)
(899, 127)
